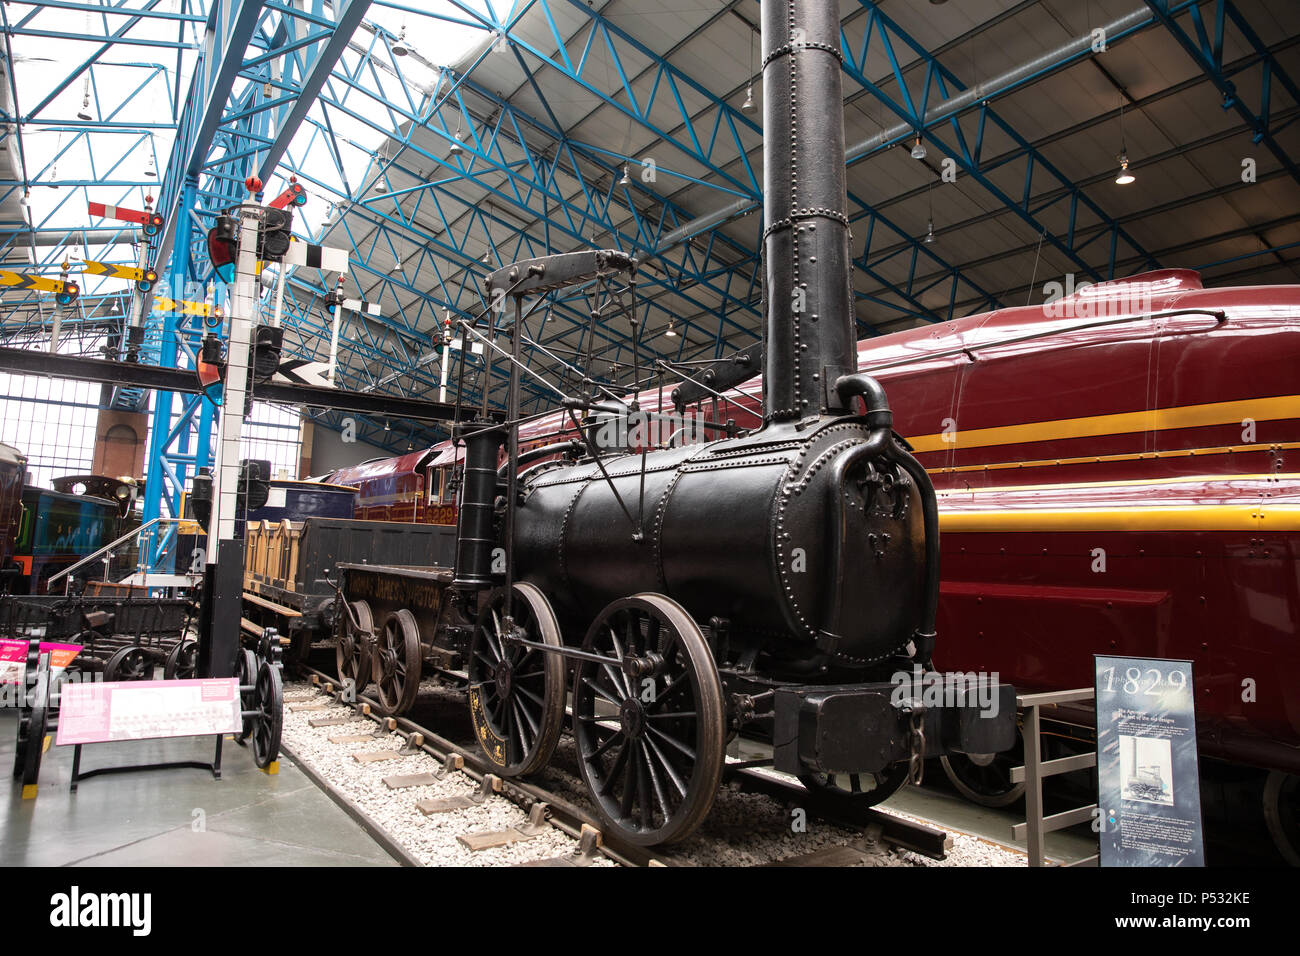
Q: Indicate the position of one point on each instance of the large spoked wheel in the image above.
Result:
(1282, 813)
(396, 662)
(516, 692)
(182, 662)
(857, 789)
(246, 671)
(269, 704)
(649, 729)
(129, 663)
(986, 779)
(352, 652)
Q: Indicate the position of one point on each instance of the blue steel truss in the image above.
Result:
(271, 82)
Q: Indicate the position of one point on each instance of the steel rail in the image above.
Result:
(566, 817)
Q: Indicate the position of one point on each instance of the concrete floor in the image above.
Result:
(174, 817)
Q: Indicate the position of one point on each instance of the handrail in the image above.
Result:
(134, 532)
(1219, 316)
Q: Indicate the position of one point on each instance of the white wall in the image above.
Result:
(329, 451)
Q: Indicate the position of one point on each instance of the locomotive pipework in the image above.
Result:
(475, 536)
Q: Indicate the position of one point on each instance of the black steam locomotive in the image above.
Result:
(780, 584)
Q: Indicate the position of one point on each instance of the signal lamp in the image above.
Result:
(274, 234)
(223, 245)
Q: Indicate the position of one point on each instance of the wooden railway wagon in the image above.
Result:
(401, 623)
(290, 565)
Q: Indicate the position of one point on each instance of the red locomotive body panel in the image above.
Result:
(1120, 488)
(412, 488)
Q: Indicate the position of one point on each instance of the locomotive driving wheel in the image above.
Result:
(352, 652)
(650, 731)
(396, 662)
(516, 692)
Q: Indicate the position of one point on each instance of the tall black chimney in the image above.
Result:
(809, 300)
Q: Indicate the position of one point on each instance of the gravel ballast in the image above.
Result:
(743, 829)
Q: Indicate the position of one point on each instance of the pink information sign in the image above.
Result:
(95, 713)
(13, 658)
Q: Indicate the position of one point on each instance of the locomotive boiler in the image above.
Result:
(774, 584)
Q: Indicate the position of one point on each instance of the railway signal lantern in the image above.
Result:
(69, 294)
(274, 234)
(147, 280)
(295, 195)
(223, 246)
(153, 224)
(254, 483)
(266, 352)
(210, 365)
(333, 299)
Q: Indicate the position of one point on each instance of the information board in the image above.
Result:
(13, 658)
(1148, 784)
(139, 710)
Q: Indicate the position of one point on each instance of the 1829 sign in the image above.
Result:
(1148, 784)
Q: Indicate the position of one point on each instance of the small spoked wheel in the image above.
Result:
(269, 721)
(649, 724)
(985, 779)
(395, 663)
(516, 692)
(352, 652)
(858, 789)
(129, 663)
(183, 661)
(246, 671)
(28, 688)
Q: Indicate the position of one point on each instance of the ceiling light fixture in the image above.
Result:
(85, 99)
(626, 180)
(148, 168)
(929, 231)
(400, 48)
(671, 331)
(1125, 177)
(918, 148)
(456, 148)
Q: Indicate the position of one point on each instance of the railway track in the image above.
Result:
(552, 815)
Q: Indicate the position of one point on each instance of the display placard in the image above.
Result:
(1148, 782)
(13, 658)
(140, 710)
